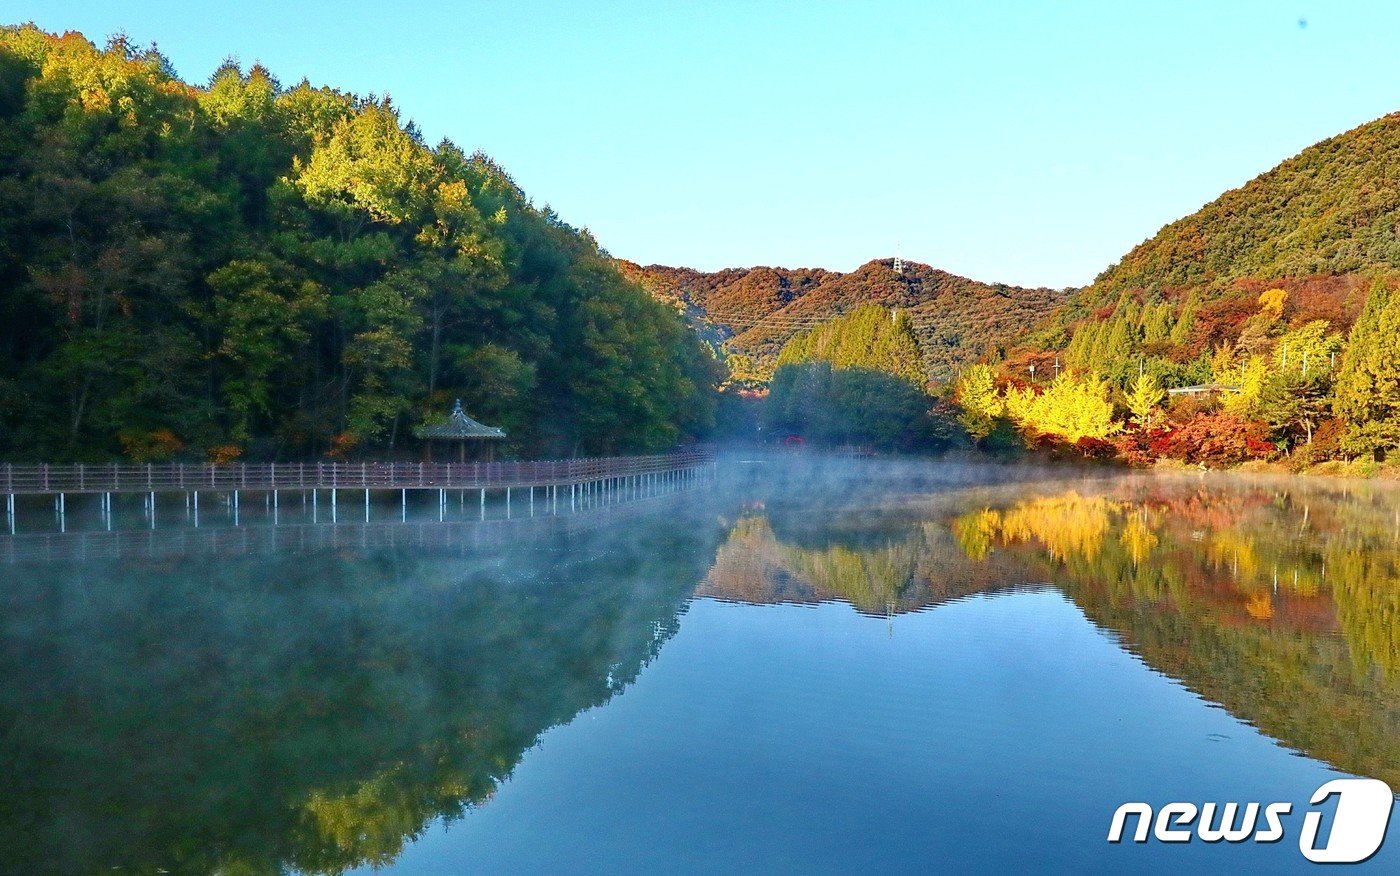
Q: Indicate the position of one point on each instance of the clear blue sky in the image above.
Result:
(1028, 142)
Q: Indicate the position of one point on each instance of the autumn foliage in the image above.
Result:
(1217, 439)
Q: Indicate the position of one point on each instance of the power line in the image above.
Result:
(802, 317)
(783, 321)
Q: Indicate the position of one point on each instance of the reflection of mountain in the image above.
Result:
(893, 573)
(1279, 601)
(308, 711)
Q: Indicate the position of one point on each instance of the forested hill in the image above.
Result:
(244, 269)
(759, 309)
(1283, 294)
(1319, 226)
(1330, 210)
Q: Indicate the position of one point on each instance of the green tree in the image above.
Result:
(1293, 404)
(1308, 349)
(1185, 320)
(827, 405)
(868, 337)
(264, 316)
(1368, 380)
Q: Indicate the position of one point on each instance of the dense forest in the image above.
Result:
(751, 313)
(248, 270)
(1279, 297)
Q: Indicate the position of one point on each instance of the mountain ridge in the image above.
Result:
(754, 311)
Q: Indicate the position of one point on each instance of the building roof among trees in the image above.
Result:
(458, 427)
(1204, 388)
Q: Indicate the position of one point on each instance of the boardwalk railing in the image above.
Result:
(42, 479)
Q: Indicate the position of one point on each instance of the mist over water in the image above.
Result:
(814, 664)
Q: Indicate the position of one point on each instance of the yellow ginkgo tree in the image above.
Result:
(1071, 407)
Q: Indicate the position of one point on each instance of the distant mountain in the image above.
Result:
(758, 309)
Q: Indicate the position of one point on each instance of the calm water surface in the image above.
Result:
(848, 667)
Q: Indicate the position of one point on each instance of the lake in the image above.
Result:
(813, 666)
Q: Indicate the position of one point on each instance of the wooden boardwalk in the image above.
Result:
(20, 480)
(455, 537)
(575, 482)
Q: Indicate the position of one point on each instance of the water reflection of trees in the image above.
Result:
(1280, 601)
(877, 564)
(1280, 604)
(310, 712)
(1262, 557)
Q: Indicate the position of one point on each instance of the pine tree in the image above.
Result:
(249, 270)
(1156, 323)
(1368, 382)
(1114, 355)
(1186, 320)
(869, 337)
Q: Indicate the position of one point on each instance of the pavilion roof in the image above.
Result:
(458, 427)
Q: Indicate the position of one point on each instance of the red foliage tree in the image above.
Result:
(1219, 322)
(1132, 448)
(1213, 439)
